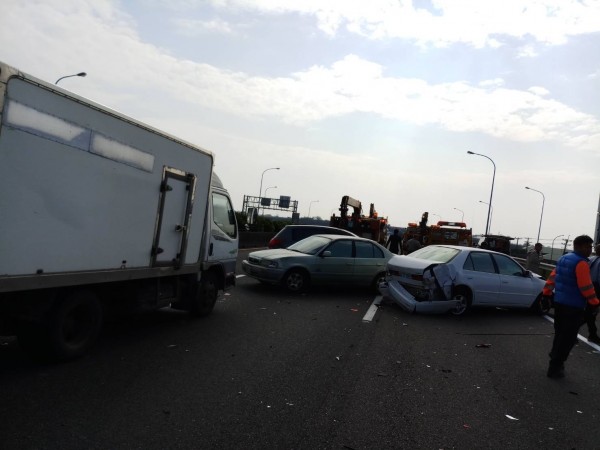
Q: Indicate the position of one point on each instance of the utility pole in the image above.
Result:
(566, 242)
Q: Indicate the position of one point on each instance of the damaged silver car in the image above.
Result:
(447, 278)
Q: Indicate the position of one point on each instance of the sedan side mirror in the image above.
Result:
(325, 254)
(527, 274)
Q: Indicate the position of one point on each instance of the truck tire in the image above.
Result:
(67, 332)
(206, 295)
(74, 325)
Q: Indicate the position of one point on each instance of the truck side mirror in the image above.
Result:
(325, 254)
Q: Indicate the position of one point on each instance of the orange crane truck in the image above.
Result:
(444, 232)
(371, 227)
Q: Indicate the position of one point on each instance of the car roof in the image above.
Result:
(337, 237)
(324, 227)
(463, 248)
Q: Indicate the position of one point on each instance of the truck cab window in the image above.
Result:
(223, 215)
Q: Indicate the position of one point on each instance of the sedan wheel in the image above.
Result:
(378, 279)
(296, 281)
(464, 303)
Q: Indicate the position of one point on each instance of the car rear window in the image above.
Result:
(437, 254)
(301, 233)
(311, 245)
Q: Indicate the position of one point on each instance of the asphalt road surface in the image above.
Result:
(272, 370)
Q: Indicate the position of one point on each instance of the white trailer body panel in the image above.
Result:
(80, 187)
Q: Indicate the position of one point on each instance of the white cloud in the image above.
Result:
(538, 90)
(349, 85)
(527, 51)
(190, 27)
(474, 22)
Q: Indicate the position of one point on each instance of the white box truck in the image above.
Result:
(100, 213)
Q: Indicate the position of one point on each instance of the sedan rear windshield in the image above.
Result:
(437, 254)
(311, 245)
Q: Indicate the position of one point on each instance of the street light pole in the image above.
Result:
(489, 216)
(270, 187)
(80, 74)
(542, 215)
(310, 205)
(487, 224)
(552, 248)
(462, 218)
(261, 182)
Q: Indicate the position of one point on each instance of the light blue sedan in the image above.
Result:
(320, 259)
(446, 278)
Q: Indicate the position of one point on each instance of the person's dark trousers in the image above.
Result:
(590, 319)
(567, 321)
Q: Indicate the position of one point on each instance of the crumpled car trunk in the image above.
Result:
(432, 295)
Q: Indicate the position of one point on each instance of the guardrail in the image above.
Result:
(545, 267)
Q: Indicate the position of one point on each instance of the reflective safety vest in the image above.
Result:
(566, 290)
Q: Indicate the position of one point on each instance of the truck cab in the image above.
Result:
(222, 249)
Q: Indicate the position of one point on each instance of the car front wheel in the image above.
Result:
(296, 281)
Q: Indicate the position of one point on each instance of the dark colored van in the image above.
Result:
(294, 233)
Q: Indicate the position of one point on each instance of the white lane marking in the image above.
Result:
(580, 337)
(372, 309)
(240, 276)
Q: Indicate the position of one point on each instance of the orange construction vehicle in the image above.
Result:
(371, 227)
(444, 232)
(496, 242)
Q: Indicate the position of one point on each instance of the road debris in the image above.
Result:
(511, 417)
(483, 345)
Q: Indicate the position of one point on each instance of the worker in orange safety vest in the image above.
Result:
(573, 291)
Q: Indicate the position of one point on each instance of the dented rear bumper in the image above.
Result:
(396, 292)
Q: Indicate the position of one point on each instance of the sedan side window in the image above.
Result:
(364, 250)
(341, 249)
(507, 266)
(480, 262)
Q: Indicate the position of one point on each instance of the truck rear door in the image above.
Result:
(175, 209)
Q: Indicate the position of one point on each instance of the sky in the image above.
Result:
(378, 100)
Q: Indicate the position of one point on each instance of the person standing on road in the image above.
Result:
(394, 243)
(573, 291)
(534, 258)
(590, 312)
(411, 245)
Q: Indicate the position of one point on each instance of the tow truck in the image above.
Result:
(444, 232)
(371, 227)
(496, 242)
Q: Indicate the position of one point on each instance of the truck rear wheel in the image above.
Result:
(68, 331)
(206, 295)
(74, 325)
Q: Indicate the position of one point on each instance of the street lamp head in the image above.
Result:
(470, 152)
(527, 187)
(81, 74)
